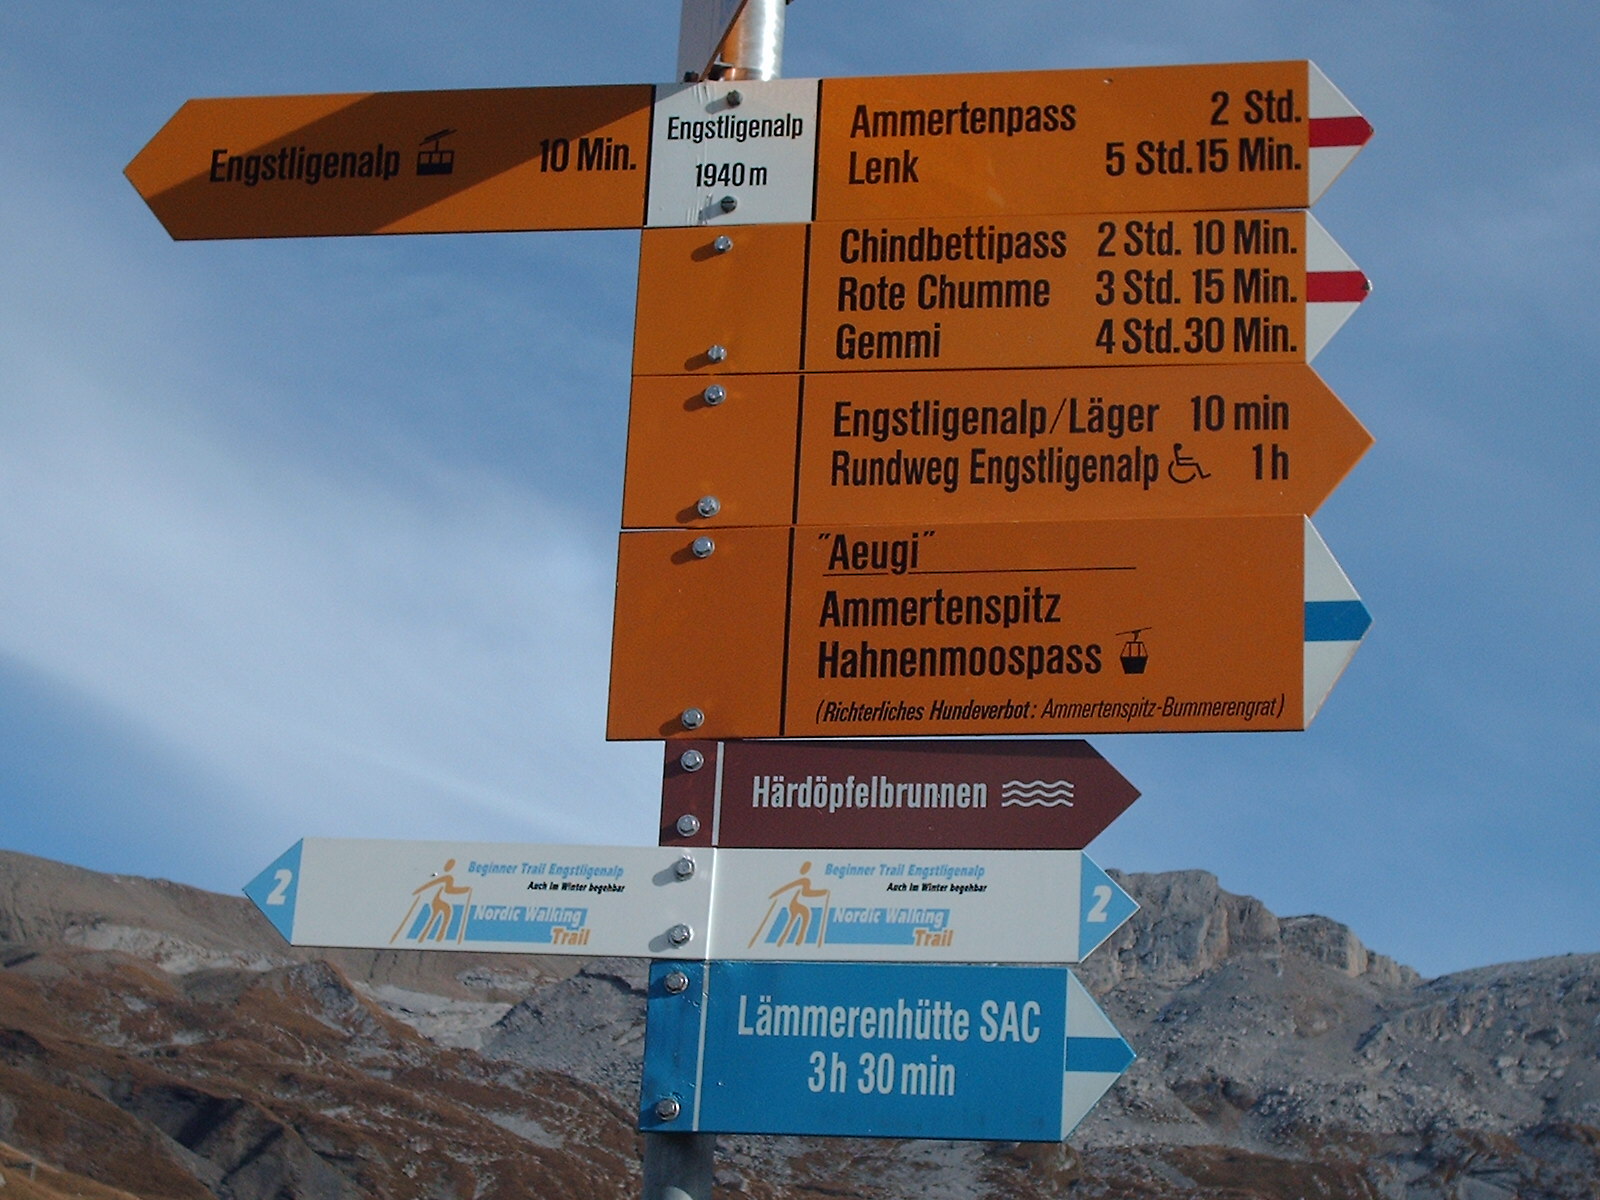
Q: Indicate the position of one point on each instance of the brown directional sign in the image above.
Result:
(1046, 794)
(1226, 135)
(950, 446)
(919, 630)
(400, 162)
(959, 294)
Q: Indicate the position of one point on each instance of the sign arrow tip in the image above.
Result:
(275, 890)
(1096, 1056)
(1103, 906)
(1336, 621)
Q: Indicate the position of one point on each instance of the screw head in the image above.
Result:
(716, 353)
(691, 760)
(678, 935)
(735, 98)
(692, 718)
(684, 867)
(688, 825)
(708, 506)
(714, 395)
(702, 547)
(667, 1108)
(675, 982)
(723, 244)
(729, 203)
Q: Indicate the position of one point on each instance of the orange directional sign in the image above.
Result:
(1048, 291)
(400, 162)
(1221, 623)
(1253, 135)
(973, 446)
(1231, 135)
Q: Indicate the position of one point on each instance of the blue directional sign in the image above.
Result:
(1006, 1053)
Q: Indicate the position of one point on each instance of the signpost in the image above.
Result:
(927, 497)
(1080, 627)
(998, 795)
(986, 446)
(864, 1050)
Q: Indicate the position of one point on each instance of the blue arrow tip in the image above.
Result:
(1336, 620)
(276, 889)
(1103, 907)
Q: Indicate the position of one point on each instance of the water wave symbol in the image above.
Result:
(1033, 793)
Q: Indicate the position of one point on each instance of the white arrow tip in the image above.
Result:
(1336, 621)
(1338, 132)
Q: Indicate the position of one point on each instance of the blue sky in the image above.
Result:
(317, 537)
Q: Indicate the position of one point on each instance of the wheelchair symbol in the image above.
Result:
(1184, 468)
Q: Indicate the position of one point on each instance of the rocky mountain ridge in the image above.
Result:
(164, 1041)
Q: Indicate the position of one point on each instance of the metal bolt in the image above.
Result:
(679, 934)
(675, 982)
(684, 867)
(714, 395)
(723, 244)
(708, 506)
(735, 98)
(691, 760)
(692, 718)
(716, 353)
(702, 547)
(667, 1109)
(688, 825)
(729, 203)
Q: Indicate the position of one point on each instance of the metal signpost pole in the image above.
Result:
(753, 48)
(678, 1166)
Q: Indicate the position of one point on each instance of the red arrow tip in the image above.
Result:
(1340, 131)
(1332, 287)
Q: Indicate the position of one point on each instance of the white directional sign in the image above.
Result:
(530, 899)
(1001, 906)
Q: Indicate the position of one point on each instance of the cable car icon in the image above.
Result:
(1134, 653)
(433, 160)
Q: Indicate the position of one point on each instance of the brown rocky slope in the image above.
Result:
(163, 1041)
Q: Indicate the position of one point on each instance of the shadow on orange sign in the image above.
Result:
(474, 160)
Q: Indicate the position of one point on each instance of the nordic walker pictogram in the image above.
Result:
(795, 925)
(442, 917)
